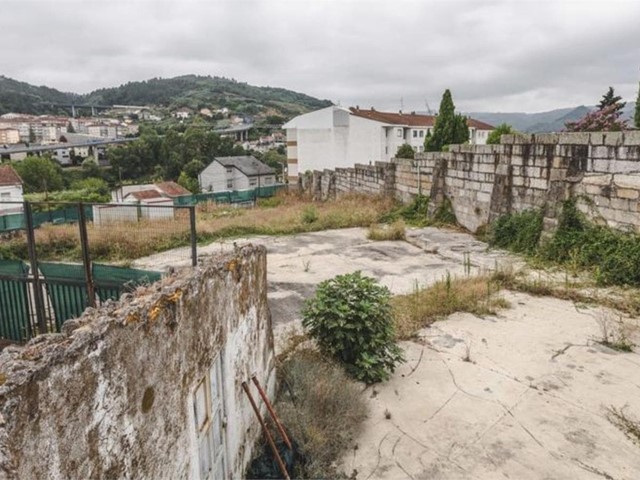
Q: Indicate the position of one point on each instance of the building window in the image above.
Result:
(229, 169)
(253, 182)
(415, 134)
(268, 181)
(5, 195)
(386, 150)
(229, 184)
(399, 132)
(421, 133)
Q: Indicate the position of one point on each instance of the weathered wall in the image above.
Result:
(483, 182)
(112, 395)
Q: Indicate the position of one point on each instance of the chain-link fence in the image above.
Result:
(56, 259)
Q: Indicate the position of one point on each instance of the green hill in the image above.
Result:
(21, 97)
(185, 91)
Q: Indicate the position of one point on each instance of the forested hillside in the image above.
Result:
(186, 91)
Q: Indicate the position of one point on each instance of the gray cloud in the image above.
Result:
(495, 55)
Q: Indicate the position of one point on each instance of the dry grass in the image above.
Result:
(127, 241)
(624, 422)
(322, 410)
(381, 232)
(626, 300)
(477, 295)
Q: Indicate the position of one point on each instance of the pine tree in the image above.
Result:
(636, 116)
(449, 127)
(610, 98)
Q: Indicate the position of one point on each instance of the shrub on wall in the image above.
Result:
(518, 232)
(613, 256)
(350, 317)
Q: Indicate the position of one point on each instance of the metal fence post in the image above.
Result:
(86, 258)
(194, 236)
(33, 260)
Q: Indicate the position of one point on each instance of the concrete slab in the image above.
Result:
(532, 402)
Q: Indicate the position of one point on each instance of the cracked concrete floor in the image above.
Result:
(530, 404)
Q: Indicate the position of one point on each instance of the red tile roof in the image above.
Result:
(8, 176)
(172, 189)
(410, 119)
(146, 194)
(478, 125)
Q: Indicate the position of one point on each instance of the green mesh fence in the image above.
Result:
(111, 282)
(66, 286)
(56, 216)
(14, 301)
(229, 197)
(13, 221)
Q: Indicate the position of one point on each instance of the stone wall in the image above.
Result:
(112, 396)
(601, 170)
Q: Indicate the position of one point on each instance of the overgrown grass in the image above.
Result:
(612, 256)
(624, 300)
(125, 241)
(478, 295)
(322, 410)
(381, 232)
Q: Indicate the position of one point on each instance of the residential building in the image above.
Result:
(184, 112)
(10, 190)
(9, 136)
(340, 137)
(226, 174)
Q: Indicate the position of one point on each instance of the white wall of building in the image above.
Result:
(10, 193)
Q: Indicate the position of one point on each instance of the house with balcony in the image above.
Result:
(341, 137)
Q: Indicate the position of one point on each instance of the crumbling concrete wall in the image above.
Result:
(482, 182)
(112, 396)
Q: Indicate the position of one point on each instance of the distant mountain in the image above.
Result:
(543, 122)
(185, 91)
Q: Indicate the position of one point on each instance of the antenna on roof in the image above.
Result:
(426, 103)
(401, 104)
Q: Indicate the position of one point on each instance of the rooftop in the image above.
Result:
(8, 176)
(172, 189)
(248, 165)
(410, 119)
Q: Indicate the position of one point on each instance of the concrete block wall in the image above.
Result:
(601, 170)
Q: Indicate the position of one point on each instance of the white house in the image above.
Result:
(226, 174)
(163, 190)
(10, 190)
(340, 137)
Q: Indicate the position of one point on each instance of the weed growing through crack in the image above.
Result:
(614, 332)
(306, 265)
(624, 422)
(467, 353)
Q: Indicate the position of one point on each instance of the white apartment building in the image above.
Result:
(340, 137)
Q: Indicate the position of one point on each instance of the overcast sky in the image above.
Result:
(502, 55)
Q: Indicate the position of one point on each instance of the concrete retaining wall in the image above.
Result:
(112, 396)
(482, 182)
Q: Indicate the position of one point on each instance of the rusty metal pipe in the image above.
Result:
(272, 412)
(272, 444)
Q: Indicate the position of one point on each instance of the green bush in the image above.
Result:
(518, 232)
(350, 317)
(414, 214)
(309, 215)
(613, 256)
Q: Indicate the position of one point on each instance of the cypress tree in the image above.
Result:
(449, 127)
(610, 98)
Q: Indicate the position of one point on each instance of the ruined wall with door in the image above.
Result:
(600, 170)
(148, 387)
